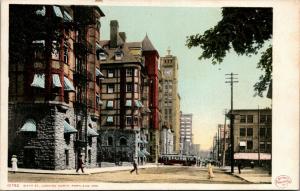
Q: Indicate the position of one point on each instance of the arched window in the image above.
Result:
(123, 141)
(110, 141)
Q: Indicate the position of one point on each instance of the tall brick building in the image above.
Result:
(54, 92)
(125, 113)
(151, 57)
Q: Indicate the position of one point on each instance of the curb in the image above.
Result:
(237, 176)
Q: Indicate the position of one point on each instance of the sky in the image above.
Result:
(202, 86)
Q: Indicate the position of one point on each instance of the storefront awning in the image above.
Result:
(56, 81)
(38, 81)
(91, 132)
(252, 156)
(67, 17)
(57, 11)
(68, 85)
(29, 126)
(68, 128)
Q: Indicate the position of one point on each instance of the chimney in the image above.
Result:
(123, 36)
(114, 30)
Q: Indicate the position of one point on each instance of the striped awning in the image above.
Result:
(110, 119)
(38, 81)
(98, 73)
(57, 11)
(91, 132)
(68, 85)
(128, 103)
(141, 154)
(146, 152)
(67, 17)
(137, 103)
(29, 126)
(68, 128)
(56, 81)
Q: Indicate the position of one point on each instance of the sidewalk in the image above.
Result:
(251, 175)
(87, 171)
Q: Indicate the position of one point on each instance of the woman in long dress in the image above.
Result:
(14, 163)
(210, 171)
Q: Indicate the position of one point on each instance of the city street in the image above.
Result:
(163, 174)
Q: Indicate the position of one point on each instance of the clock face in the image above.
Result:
(168, 72)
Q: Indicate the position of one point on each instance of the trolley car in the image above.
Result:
(170, 159)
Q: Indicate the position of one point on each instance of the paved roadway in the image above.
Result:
(162, 174)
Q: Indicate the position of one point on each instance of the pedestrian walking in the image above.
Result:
(80, 164)
(210, 171)
(239, 167)
(14, 163)
(134, 168)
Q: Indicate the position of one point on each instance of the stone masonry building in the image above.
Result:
(54, 91)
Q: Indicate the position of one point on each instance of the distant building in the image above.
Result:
(151, 58)
(186, 132)
(253, 135)
(170, 96)
(124, 133)
(167, 141)
(54, 103)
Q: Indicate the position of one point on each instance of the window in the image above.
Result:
(110, 104)
(243, 119)
(89, 156)
(110, 141)
(268, 132)
(129, 72)
(110, 73)
(262, 146)
(67, 137)
(110, 88)
(128, 87)
(128, 120)
(262, 118)
(242, 148)
(90, 140)
(249, 145)
(110, 120)
(249, 132)
(67, 157)
(66, 52)
(97, 99)
(269, 147)
(136, 120)
(242, 132)
(123, 141)
(262, 132)
(249, 118)
(269, 119)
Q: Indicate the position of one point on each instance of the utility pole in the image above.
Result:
(258, 126)
(231, 78)
(224, 141)
(218, 141)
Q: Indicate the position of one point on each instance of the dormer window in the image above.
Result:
(102, 56)
(118, 55)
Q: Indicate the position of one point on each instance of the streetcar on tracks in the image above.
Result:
(172, 159)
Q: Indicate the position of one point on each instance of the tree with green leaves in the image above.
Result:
(245, 30)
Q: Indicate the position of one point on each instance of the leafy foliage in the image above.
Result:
(245, 30)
